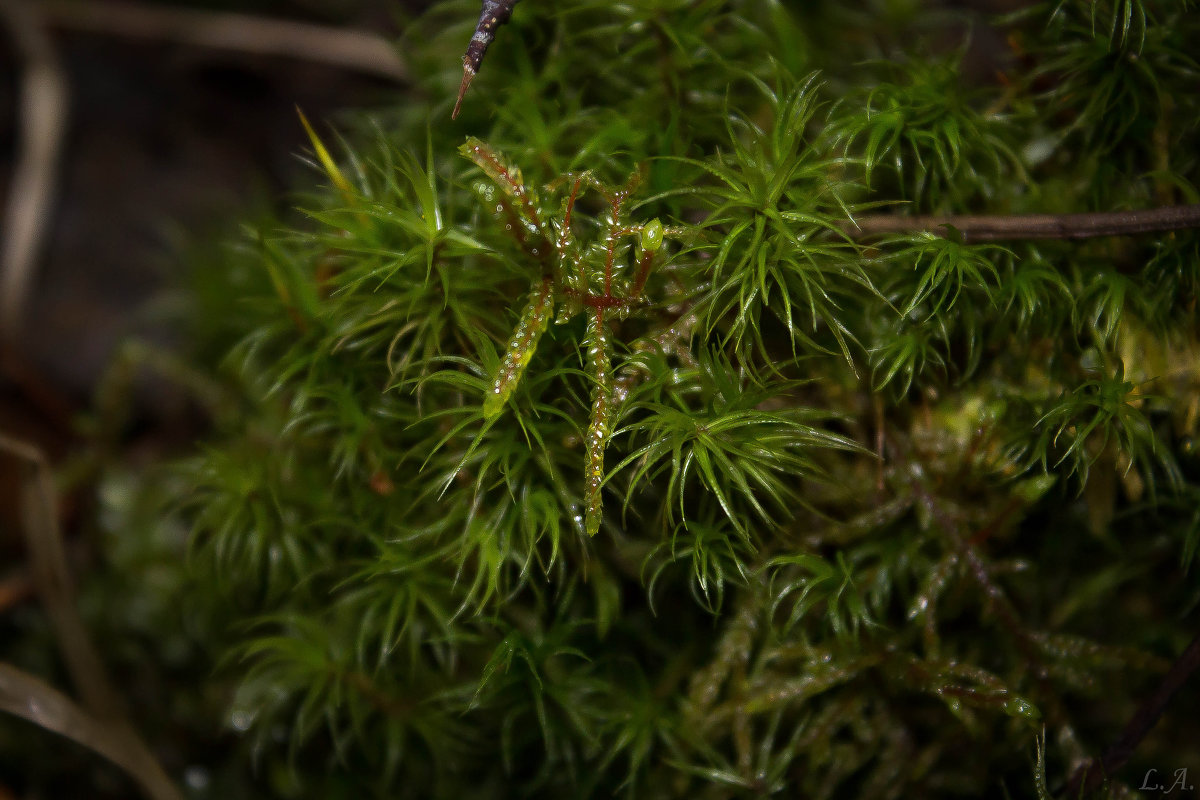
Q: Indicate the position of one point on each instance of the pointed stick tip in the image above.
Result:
(468, 76)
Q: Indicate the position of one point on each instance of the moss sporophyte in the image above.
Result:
(566, 275)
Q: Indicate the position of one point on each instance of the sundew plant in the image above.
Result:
(737, 398)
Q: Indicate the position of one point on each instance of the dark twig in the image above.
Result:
(494, 14)
(986, 228)
(1092, 774)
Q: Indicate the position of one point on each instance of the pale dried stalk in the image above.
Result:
(349, 49)
(43, 113)
(52, 581)
(102, 727)
(30, 698)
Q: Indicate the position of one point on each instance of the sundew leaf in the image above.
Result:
(510, 181)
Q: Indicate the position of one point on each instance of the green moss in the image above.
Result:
(786, 513)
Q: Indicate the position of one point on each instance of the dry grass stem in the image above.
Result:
(43, 113)
(348, 49)
(102, 726)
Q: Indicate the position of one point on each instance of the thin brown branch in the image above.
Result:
(1092, 774)
(349, 49)
(987, 228)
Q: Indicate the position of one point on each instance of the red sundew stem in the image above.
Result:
(1089, 776)
(517, 229)
(643, 274)
(601, 302)
(597, 301)
(510, 369)
(564, 236)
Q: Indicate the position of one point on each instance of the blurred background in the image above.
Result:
(163, 142)
(176, 120)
